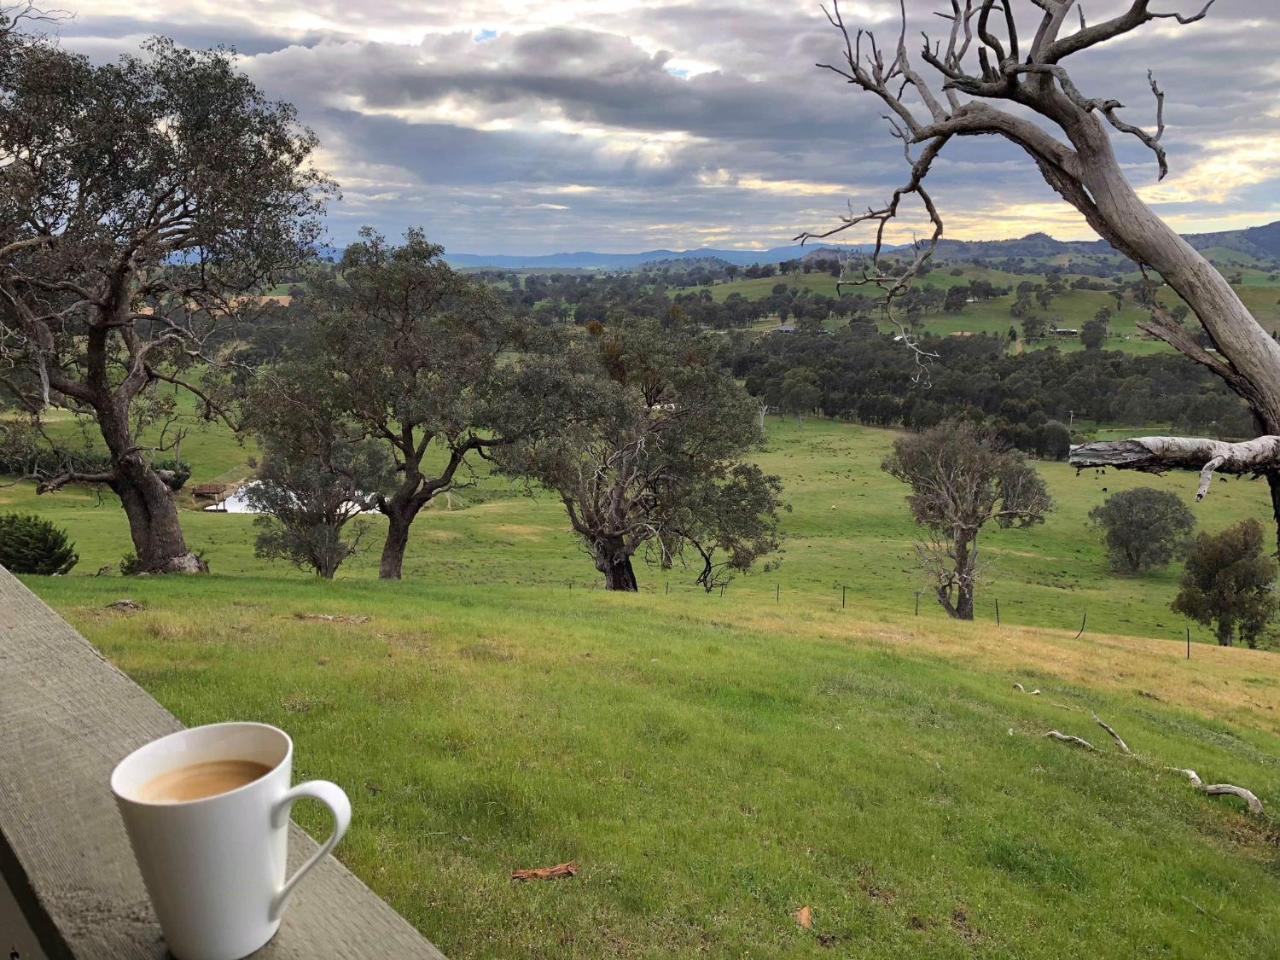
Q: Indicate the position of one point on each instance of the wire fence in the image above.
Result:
(848, 598)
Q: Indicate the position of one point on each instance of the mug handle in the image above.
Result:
(333, 797)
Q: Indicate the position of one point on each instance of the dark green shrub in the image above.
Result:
(1144, 527)
(1229, 582)
(31, 544)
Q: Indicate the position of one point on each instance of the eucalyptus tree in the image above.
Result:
(653, 450)
(1143, 528)
(140, 202)
(985, 77)
(427, 362)
(962, 478)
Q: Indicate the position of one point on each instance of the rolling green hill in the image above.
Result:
(1258, 289)
(714, 763)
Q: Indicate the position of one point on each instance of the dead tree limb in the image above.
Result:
(1213, 789)
(1067, 738)
(1124, 747)
(980, 78)
(1223, 789)
(1159, 454)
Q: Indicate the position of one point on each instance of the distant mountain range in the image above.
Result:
(1261, 242)
(629, 261)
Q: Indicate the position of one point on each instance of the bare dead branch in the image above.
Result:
(1124, 747)
(1068, 739)
(1159, 454)
(1222, 790)
(53, 484)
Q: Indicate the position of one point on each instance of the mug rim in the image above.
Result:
(186, 731)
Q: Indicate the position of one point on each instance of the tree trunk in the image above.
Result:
(148, 502)
(400, 515)
(620, 576)
(955, 595)
(964, 601)
(1273, 481)
(613, 560)
(1225, 631)
(966, 560)
(1247, 357)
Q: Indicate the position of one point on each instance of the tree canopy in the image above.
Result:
(653, 451)
(1229, 582)
(426, 362)
(1144, 527)
(962, 477)
(141, 202)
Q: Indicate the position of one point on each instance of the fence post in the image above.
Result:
(917, 603)
(843, 591)
(1188, 643)
(777, 593)
(997, 613)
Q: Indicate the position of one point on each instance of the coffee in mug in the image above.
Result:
(200, 780)
(207, 813)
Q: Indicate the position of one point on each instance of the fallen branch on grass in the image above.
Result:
(1067, 738)
(1021, 689)
(1124, 747)
(1223, 789)
(1213, 789)
(331, 618)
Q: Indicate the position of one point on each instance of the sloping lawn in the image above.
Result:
(715, 766)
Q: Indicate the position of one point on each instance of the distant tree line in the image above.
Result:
(1030, 399)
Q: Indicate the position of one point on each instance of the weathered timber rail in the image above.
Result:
(66, 717)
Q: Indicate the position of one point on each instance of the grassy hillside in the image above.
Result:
(848, 526)
(716, 763)
(1258, 289)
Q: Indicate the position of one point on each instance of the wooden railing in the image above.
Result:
(66, 717)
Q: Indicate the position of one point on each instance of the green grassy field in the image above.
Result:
(714, 763)
(847, 527)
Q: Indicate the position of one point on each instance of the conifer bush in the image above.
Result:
(31, 544)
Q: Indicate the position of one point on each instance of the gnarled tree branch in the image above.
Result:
(1160, 454)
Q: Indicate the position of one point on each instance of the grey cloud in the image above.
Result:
(762, 112)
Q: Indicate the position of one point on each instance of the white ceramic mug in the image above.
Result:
(215, 867)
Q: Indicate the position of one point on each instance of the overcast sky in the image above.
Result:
(620, 125)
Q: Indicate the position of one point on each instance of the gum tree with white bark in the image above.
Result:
(983, 76)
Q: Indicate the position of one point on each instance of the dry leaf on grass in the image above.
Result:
(559, 871)
(804, 917)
